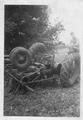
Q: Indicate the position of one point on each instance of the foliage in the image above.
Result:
(53, 31)
(25, 25)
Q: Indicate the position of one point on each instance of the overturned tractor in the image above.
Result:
(21, 67)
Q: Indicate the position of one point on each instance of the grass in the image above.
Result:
(47, 101)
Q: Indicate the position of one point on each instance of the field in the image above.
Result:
(46, 100)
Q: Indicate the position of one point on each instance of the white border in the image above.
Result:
(29, 2)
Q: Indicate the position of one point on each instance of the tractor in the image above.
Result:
(22, 67)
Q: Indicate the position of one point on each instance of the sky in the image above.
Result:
(70, 13)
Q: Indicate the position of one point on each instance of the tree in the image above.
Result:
(23, 24)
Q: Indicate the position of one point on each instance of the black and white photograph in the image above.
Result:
(42, 59)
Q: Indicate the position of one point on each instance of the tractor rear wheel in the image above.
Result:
(20, 58)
